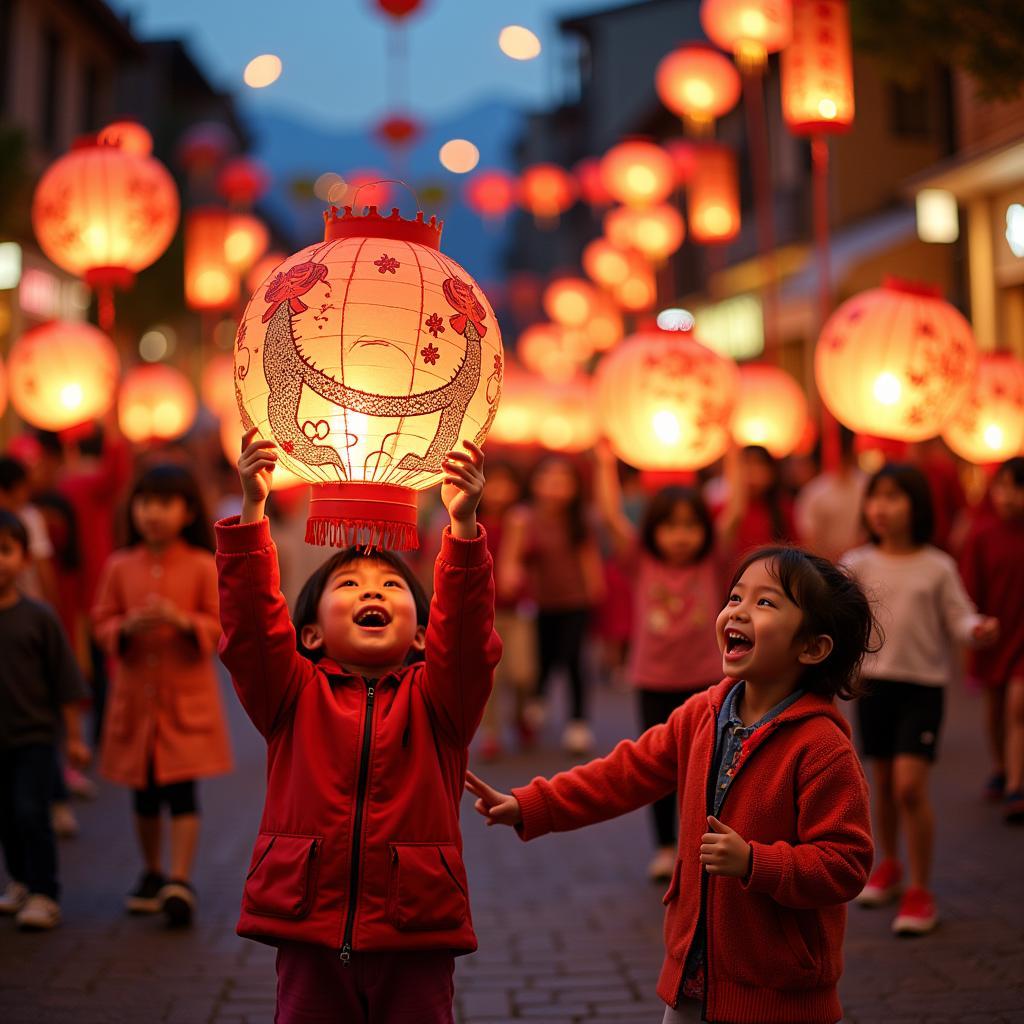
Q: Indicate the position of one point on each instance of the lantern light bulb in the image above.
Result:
(887, 388)
(699, 94)
(827, 108)
(666, 426)
(993, 436)
(71, 396)
(262, 71)
(752, 22)
(519, 43)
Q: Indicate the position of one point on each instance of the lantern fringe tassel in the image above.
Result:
(364, 533)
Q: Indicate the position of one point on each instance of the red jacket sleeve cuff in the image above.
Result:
(234, 538)
(534, 809)
(464, 554)
(767, 870)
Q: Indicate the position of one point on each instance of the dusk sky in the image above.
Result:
(334, 52)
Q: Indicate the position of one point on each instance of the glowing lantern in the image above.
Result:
(604, 328)
(62, 374)
(591, 184)
(128, 135)
(988, 424)
(605, 264)
(749, 29)
(217, 383)
(103, 214)
(655, 231)
(569, 301)
(553, 352)
(211, 283)
(771, 410)
(491, 194)
(156, 403)
(895, 361)
(638, 173)
(817, 69)
(546, 191)
(665, 400)
(243, 181)
(245, 241)
(398, 9)
(638, 292)
(398, 131)
(263, 268)
(366, 359)
(566, 420)
(516, 422)
(713, 200)
(204, 146)
(699, 84)
(683, 155)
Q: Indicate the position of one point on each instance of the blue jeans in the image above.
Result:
(27, 779)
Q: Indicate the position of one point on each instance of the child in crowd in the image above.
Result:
(925, 614)
(763, 511)
(37, 577)
(368, 710)
(679, 579)
(40, 689)
(993, 569)
(156, 616)
(773, 806)
(556, 545)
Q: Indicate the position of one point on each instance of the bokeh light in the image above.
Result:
(262, 71)
(459, 156)
(519, 43)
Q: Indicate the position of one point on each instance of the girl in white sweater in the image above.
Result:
(926, 615)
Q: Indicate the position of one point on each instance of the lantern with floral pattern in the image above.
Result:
(988, 424)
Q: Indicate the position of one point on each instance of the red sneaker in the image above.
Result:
(883, 886)
(917, 914)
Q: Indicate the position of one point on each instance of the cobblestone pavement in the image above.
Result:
(569, 929)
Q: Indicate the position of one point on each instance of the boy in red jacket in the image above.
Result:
(756, 908)
(357, 875)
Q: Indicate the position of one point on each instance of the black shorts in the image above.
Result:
(900, 718)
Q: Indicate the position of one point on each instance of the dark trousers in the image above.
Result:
(655, 708)
(26, 789)
(560, 637)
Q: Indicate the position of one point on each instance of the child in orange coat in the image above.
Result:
(156, 614)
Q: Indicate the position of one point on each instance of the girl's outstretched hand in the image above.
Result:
(462, 487)
(255, 466)
(497, 808)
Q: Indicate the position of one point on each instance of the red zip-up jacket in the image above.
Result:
(774, 941)
(359, 846)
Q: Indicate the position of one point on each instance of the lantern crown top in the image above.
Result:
(371, 224)
(923, 288)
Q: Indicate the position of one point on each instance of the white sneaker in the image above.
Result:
(65, 824)
(578, 738)
(13, 898)
(663, 865)
(39, 914)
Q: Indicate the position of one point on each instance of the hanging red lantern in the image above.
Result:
(566, 418)
(211, 283)
(204, 146)
(748, 29)
(895, 361)
(591, 184)
(62, 374)
(103, 214)
(638, 173)
(654, 231)
(263, 268)
(604, 328)
(516, 422)
(245, 241)
(243, 181)
(817, 69)
(491, 194)
(546, 191)
(398, 9)
(699, 84)
(552, 351)
(128, 135)
(366, 359)
(156, 403)
(398, 131)
(569, 301)
(770, 411)
(713, 200)
(683, 155)
(988, 424)
(665, 400)
(638, 292)
(605, 263)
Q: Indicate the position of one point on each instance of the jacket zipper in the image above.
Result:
(357, 826)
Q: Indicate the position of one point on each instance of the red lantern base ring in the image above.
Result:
(363, 514)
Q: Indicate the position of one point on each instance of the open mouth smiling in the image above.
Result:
(372, 617)
(737, 644)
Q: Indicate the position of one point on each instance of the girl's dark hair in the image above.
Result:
(1014, 469)
(834, 605)
(307, 604)
(914, 484)
(576, 511)
(12, 526)
(772, 496)
(166, 480)
(659, 510)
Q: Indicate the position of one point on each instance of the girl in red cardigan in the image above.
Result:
(774, 834)
(367, 707)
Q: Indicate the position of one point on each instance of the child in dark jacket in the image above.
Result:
(774, 834)
(357, 875)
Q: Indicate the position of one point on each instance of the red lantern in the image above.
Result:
(211, 283)
(988, 424)
(62, 374)
(243, 181)
(771, 410)
(817, 69)
(516, 422)
(604, 328)
(398, 9)
(204, 147)
(156, 403)
(713, 200)
(546, 191)
(591, 184)
(366, 359)
(895, 361)
(638, 292)
(103, 214)
(263, 268)
(491, 193)
(566, 419)
(749, 29)
(605, 263)
(128, 135)
(684, 158)
(569, 301)
(245, 242)
(699, 84)
(552, 351)
(654, 231)
(665, 400)
(398, 131)
(638, 173)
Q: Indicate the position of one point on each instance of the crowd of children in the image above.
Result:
(763, 820)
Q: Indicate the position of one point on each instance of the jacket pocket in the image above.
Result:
(427, 887)
(673, 886)
(282, 877)
(195, 712)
